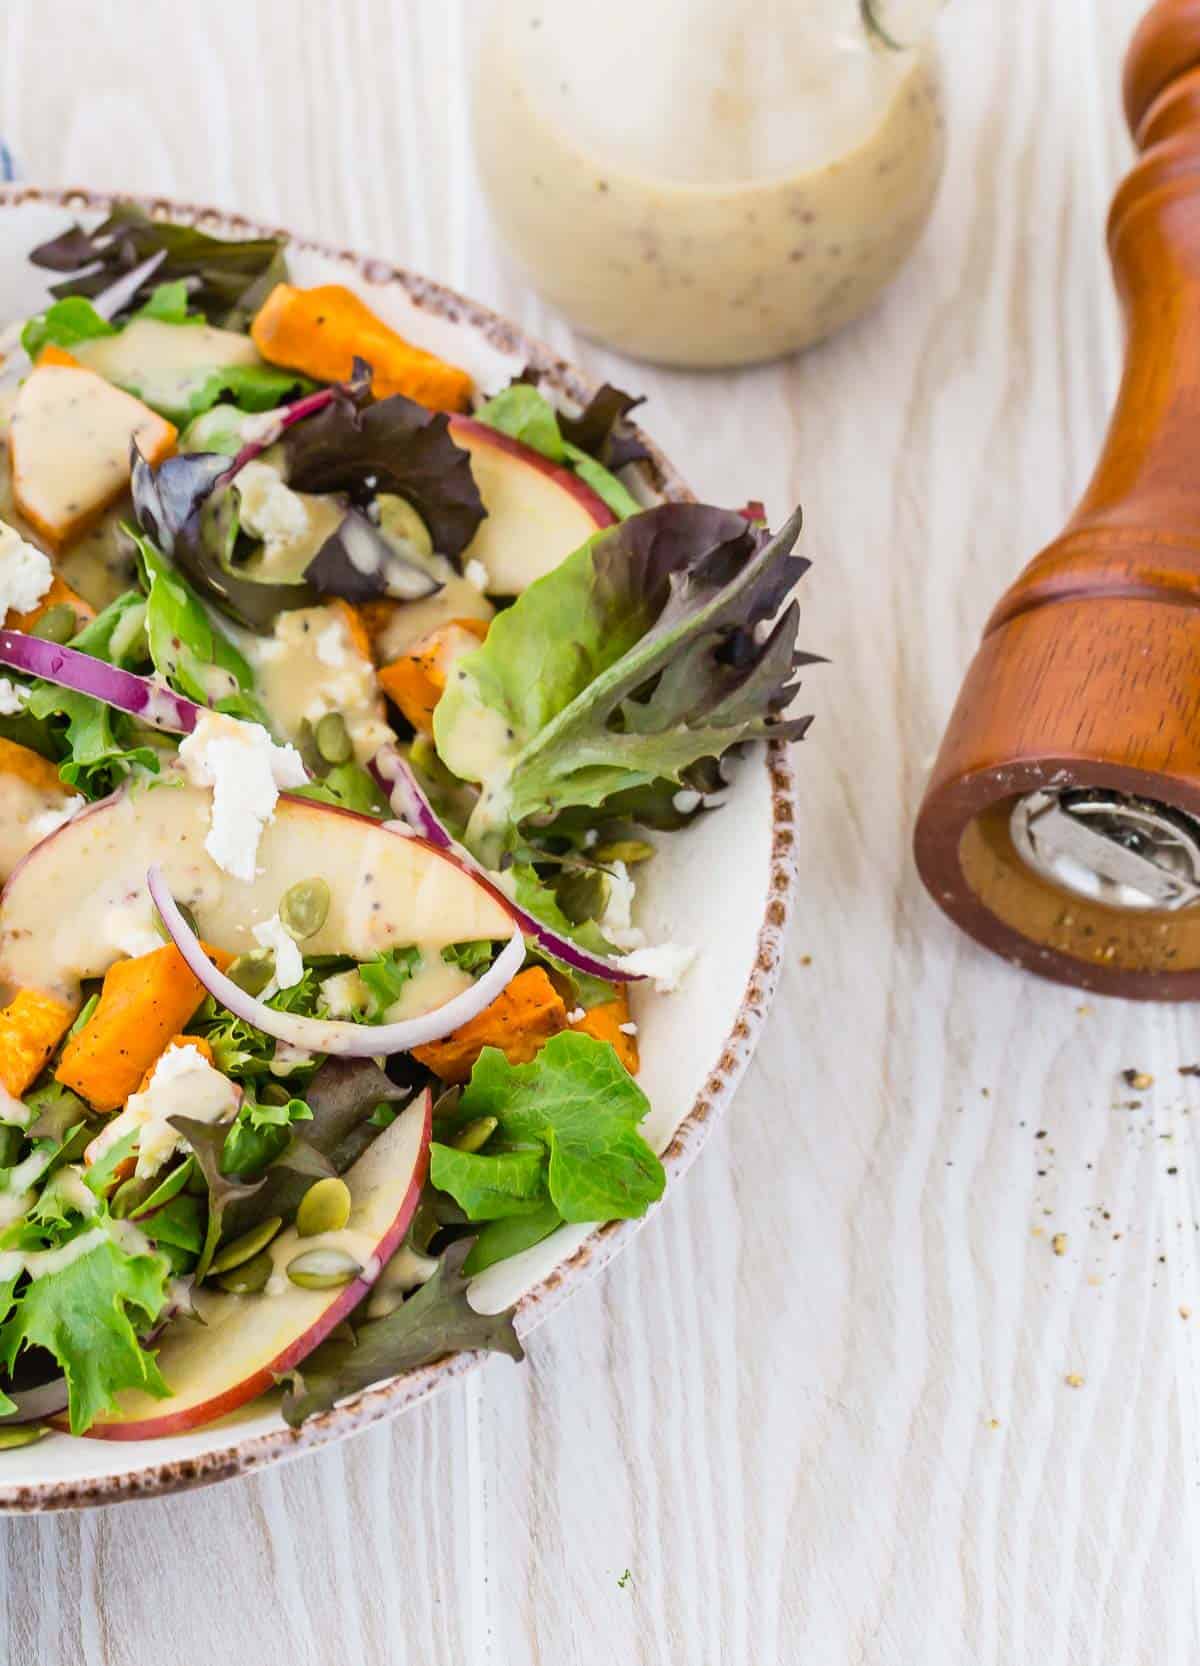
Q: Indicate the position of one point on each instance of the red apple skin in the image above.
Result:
(468, 432)
(154, 1428)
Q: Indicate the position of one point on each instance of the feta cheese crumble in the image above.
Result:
(25, 573)
(664, 963)
(617, 920)
(331, 645)
(269, 509)
(476, 574)
(12, 697)
(289, 962)
(245, 769)
(183, 1083)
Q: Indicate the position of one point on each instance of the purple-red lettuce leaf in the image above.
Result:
(227, 278)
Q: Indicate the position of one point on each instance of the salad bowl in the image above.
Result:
(724, 888)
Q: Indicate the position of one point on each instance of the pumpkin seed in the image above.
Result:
(304, 908)
(325, 1207)
(22, 1434)
(274, 1093)
(322, 1269)
(582, 894)
(333, 739)
(249, 1278)
(247, 1246)
(253, 971)
(475, 1135)
(628, 851)
(57, 624)
(188, 916)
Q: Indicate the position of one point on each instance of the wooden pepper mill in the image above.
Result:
(1061, 825)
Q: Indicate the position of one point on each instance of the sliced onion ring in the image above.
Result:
(150, 702)
(398, 780)
(327, 1035)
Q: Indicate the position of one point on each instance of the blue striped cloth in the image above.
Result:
(8, 168)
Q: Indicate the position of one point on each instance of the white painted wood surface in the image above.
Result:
(820, 1412)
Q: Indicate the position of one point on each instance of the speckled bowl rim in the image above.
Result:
(243, 1456)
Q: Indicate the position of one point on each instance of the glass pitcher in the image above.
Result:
(708, 182)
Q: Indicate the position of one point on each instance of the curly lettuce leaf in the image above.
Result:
(227, 278)
(65, 324)
(98, 747)
(436, 1320)
(88, 1315)
(577, 1108)
(647, 650)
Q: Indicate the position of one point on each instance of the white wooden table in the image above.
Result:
(822, 1412)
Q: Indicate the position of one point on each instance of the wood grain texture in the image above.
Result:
(820, 1411)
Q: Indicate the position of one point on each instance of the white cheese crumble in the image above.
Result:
(268, 508)
(129, 927)
(25, 572)
(665, 964)
(476, 574)
(183, 1083)
(49, 821)
(577, 1016)
(245, 769)
(289, 963)
(331, 645)
(617, 920)
(628, 1029)
(12, 697)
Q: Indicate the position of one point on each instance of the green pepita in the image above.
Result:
(333, 739)
(322, 1269)
(628, 851)
(473, 1136)
(325, 1207)
(22, 1434)
(582, 894)
(249, 1278)
(58, 624)
(246, 1247)
(304, 908)
(274, 1093)
(253, 971)
(188, 916)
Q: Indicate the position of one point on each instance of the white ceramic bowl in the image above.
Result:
(694, 1044)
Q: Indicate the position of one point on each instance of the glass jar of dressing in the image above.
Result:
(708, 182)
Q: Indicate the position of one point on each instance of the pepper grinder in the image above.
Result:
(1061, 824)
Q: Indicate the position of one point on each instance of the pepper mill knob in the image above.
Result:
(1061, 824)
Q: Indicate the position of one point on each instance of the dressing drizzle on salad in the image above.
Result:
(331, 744)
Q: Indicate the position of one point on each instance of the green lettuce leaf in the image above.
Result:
(385, 978)
(260, 1134)
(647, 650)
(498, 1240)
(65, 324)
(577, 1109)
(436, 1320)
(490, 1188)
(97, 746)
(88, 1316)
(532, 893)
(196, 658)
(350, 787)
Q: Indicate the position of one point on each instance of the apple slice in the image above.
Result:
(245, 1342)
(387, 888)
(70, 437)
(537, 512)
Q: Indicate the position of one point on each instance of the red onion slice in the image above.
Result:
(150, 702)
(396, 777)
(33, 1404)
(327, 1035)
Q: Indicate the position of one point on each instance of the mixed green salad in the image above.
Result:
(342, 706)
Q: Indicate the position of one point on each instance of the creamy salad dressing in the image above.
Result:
(385, 890)
(749, 199)
(309, 666)
(23, 807)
